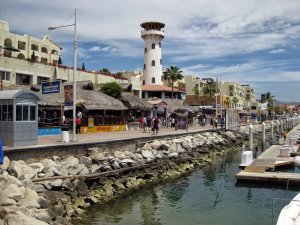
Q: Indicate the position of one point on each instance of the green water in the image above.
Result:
(205, 197)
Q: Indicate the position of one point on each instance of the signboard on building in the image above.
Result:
(68, 94)
(51, 87)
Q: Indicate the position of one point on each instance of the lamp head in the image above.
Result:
(51, 28)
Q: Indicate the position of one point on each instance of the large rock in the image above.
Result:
(13, 191)
(173, 155)
(5, 201)
(70, 161)
(6, 163)
(56, 184)
(76, 169)
(147, 154)
(155, 144)
(43, 215)
(115, 165)
(147, 146)
(119, 155)
(38, 167)
(85, 160)
(98, 157)
(127, 161)
(18, 218)
(21, 170)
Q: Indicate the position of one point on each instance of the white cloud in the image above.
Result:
(276, 51)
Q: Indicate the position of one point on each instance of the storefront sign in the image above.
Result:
(51, 87)
(68, 93)
(90, 122)
(97, 129)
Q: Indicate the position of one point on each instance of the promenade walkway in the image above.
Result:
(110, 136)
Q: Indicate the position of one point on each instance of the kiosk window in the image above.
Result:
(32, 113)
(0, 112)
(10, 113)
(25, 112)
(18, 113)
(4, 112)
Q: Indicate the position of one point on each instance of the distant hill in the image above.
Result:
(288, 103)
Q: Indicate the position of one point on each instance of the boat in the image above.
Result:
(297, 161)
(290, 214)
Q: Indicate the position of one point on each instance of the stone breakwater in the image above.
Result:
(56, 190)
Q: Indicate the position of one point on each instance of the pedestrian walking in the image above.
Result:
(173, 123)
(78, 125)
(155, 127)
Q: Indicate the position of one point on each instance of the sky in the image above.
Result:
(255, 42)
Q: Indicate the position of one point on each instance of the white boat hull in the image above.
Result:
(290, 214)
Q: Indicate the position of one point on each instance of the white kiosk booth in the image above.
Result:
(18, 117)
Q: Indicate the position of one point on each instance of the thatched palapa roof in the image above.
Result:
(134, 102)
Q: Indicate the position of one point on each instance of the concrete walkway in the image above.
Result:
(54, 140)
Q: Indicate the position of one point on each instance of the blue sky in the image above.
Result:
(248, 41)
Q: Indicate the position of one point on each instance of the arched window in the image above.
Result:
(54, 52)
(145, 50)
(144, 82)
(44, 49)
(153, 80)
(8, 42)
(21, 56)
(34, 47)
(153, 46)
(153, 63)
(144, 66)
(159, 44)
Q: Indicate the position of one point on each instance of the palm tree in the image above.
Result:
(227, 102)
(105, 71)
(172, 75)
(235, 100)
(269, 99)
(196, 92)
(210, 88)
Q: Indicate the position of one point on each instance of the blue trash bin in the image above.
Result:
(1, 152)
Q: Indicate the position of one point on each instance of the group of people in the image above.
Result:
(214, 122)
(149, 124)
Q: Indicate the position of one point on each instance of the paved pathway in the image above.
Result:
(110, 136)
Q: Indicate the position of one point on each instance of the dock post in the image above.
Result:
(272, 129)
(263, 135)
(251, 137)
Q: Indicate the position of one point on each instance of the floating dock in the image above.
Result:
(261, 169)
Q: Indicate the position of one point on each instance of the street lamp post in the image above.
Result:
(74, 71)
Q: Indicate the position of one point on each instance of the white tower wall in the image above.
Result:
(152, 35)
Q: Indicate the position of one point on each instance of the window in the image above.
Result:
(54, 52)
(25, 112)
(19, 113)
(144, 82)
(44, 49)
(34, 47)
(44, 60)
(153, 63)
(32, 113)
(160, 61)
(144, 66)
(5, 75)
(7, 113)
(8, 42)
(159, 45)
(145, 50)
(153, 80)
(21, 45)
(21, 56)
(42, 79)
(0, 112)
(4, 112)
(153, 46)
(23, 79)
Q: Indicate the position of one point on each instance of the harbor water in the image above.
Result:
(207, 196)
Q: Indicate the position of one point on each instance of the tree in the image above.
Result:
(210, 88)
(83, 66)
(227, 102)
(270, 100)
(118, 75)
(59, 61)
(105, 71)
(235, 100)
(196, 92)
(112, 89)
(172, 75)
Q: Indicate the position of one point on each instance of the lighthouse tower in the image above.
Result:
(152, 34)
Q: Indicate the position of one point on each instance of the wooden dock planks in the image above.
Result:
(269, 176)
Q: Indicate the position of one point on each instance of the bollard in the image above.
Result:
(251, 137)
(263, 135)
(272, 129)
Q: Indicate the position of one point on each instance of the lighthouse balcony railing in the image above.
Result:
(153, 32)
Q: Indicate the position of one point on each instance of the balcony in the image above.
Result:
(144, 33)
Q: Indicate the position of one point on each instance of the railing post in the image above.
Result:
(251, 137)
